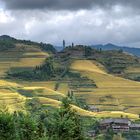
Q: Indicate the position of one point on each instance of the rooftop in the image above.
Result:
(135, 126)
(119, 120)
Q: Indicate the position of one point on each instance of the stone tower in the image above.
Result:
(64, 44)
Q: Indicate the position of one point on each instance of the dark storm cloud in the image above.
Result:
(67, 4)
(48, 4)
(78, 21)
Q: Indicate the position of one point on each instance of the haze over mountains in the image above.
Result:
(109, 46)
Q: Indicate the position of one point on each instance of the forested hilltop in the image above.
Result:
(7, 43)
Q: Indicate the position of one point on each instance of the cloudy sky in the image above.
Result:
(78, 21)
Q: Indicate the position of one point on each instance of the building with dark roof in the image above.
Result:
(135, 127)
(117, 125)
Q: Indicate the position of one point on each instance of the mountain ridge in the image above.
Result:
(110, 46)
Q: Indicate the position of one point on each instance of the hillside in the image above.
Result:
(106, 47)
(88, 80)
(21, 54)
(115, 62)
(112, 93)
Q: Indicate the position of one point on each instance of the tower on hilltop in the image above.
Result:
(64, 44)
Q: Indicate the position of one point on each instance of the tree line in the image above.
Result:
(61, 124)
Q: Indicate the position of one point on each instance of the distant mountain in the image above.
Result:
(6, 37)
(6, 40)
(109, 46)
(58, 48)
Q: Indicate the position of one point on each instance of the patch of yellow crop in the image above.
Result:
(133, 70)
(28, 62)
(48, 101)
(11, 101)
(4, 83)
(26, 48)
(85, 65)
(106, 114)
(46, 91)
(63, 88)
(135, 110)
(37, 54)
(46, 84)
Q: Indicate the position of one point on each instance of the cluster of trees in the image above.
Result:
(5, 45)
(18, 127)
(44, 72)
(61, 124)
(137, 78)
(77, 101)
(47, 47)
(88, 51)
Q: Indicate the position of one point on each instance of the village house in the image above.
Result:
(116, 125)
(91, 133)
(119, 125)
(135, 127)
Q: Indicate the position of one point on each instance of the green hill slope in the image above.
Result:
(87, 79)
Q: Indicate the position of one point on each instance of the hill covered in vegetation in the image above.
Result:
(62, 74)
(7, 42)
(35, 79)
(115, 62)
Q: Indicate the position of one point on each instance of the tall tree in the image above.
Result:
(65, 123)
(88, 51)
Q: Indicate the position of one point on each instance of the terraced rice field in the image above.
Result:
(23, 56)
(10, 100)
(112, 93)
(55, 103)
(135, 69)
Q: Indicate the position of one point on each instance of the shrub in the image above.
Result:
(7, 127)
